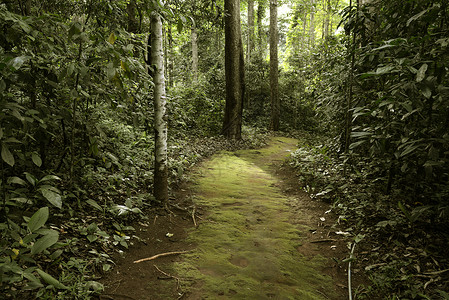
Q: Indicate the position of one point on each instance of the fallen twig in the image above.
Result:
(193, 217)
(159, 255)
(349, 272)
(436, 272)
(178, 283)
(324, 241)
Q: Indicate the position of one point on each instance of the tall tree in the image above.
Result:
(194, 38)
(260, 30)
(234, 69)
(312, 23)
(250, 41)
(160, 117)
(274, 84)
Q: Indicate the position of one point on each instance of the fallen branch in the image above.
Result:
(159, 255)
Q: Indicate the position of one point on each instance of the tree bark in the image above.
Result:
(132, 22)
(327, 18)
(274, 84)
(232, 125)
(260, 33)
(160, 119)
(312, 24)
(194, 38)
(250, 42)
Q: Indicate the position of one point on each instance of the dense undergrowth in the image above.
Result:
(401, 248)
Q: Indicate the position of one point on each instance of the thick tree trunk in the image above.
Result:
(160, 118)
(232, 125)
(194, 38)
(275, 105)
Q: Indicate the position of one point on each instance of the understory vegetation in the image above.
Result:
(369, 103)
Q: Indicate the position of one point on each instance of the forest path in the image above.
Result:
(253, 241)
(248, 246)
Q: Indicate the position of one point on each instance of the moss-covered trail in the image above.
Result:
(246, 245)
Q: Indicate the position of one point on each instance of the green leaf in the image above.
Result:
(44, 242)
(36, 159)
(384, 70)
(17, 62)
(360, 133)
(7, 155)
(49, 177)
(1, 133)
(35, 282)
(52, 197)
(16, 180)
(421, 73)
(94, 204)
(51, 280)
(427, 92)
(416, 17)
(38, 219)
(92, 238)
(112, 38)
(409, 149)
(31, 179)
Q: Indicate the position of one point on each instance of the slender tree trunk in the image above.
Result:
(132, 22)
(232, 125)
(274, 84)
(260, 33)
(160, 117)
(250, 42)
(169, 59)
(312, 24)
(194, 38)
(327, 19)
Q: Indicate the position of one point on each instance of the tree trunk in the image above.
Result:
(312, 24)
(327, 19)
(250, 42)
(260, 33)
(275, 105)
(160, 119)
(232, 125)
(194, 37)
(132, 22)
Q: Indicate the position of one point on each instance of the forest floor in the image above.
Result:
(250, 233)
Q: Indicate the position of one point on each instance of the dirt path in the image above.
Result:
(254, 240)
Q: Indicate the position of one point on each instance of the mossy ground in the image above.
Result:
(246, 248)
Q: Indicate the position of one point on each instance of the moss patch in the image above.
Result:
(246, 248)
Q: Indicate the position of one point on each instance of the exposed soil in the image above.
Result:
(258, 237)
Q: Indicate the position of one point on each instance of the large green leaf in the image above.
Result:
(16, 180)
(421, 73)
(38, 219)
(36, 159)
(52, 197)
(51, 280)
(44, 242)
(7, 155)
